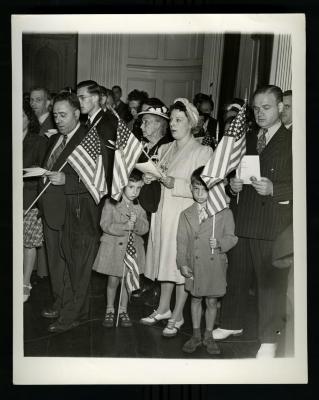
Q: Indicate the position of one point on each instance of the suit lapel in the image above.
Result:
(191, 215)
(98, 116)
(272, 145)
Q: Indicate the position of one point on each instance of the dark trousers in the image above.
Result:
(71, 253)
(56, 264)
(248, 257)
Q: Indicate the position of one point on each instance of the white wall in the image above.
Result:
(280, 73)
(166, 66)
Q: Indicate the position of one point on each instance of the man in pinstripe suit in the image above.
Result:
(263, 211)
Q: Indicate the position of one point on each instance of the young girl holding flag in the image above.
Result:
(121, 253)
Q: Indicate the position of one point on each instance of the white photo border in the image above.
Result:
(55, 370)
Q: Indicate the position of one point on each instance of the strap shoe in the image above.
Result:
(172, 328)
(155, 317)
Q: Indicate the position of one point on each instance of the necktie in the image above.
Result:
(203, 215)
(261, 142)
(56, 152)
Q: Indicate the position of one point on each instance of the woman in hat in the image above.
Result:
(177, 161)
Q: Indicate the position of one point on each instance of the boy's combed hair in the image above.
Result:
(136, 176)
(196, 177)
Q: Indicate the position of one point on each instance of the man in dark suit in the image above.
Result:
(71, 221)
(88, 93)
(286, 116)
(264, 209)
(120, 107)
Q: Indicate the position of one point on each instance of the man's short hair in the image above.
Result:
(287, 93)
(137, 95)
(275, 90)
(136, 176)
(117, 87)
(200, 98)
(42, 89)
(71, 98)
(196, 177)
(92, 87)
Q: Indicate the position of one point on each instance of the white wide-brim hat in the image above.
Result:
(160, 111)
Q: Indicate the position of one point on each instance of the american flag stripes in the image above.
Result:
(86, 160)
(132, 277)
(225, 159)
(127, 151)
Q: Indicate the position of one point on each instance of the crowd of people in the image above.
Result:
(178, 245)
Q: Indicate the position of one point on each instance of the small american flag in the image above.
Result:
(225, 159)
(127, 151)
(86, 160)
(132, 277)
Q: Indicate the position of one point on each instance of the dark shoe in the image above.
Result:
(108, 320)
(49, 313)
(125, 320)
(191, 345)
(62, 327)
(211, 346)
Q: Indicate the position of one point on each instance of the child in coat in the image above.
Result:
(202, 260)
(117, 220)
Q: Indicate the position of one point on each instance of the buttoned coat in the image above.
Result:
(109, 259)
(193, 250)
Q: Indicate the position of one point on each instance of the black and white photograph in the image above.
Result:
(159, 199)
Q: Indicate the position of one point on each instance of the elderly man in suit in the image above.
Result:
(89, 93)
(40, 100)
(263, 211)
(71, 221)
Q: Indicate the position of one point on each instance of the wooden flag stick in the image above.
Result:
(121, 291)
(41, 193)
(213, 234)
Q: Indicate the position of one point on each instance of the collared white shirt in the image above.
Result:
(271, 131)
(288, 126)
(43, 118)
(69, 137)
(91, 118)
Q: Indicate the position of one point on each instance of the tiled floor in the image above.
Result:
(91, 339)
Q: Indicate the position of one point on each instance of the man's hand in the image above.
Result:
(56, 178)
(236, 185)
(186, 271)
(264, 187)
